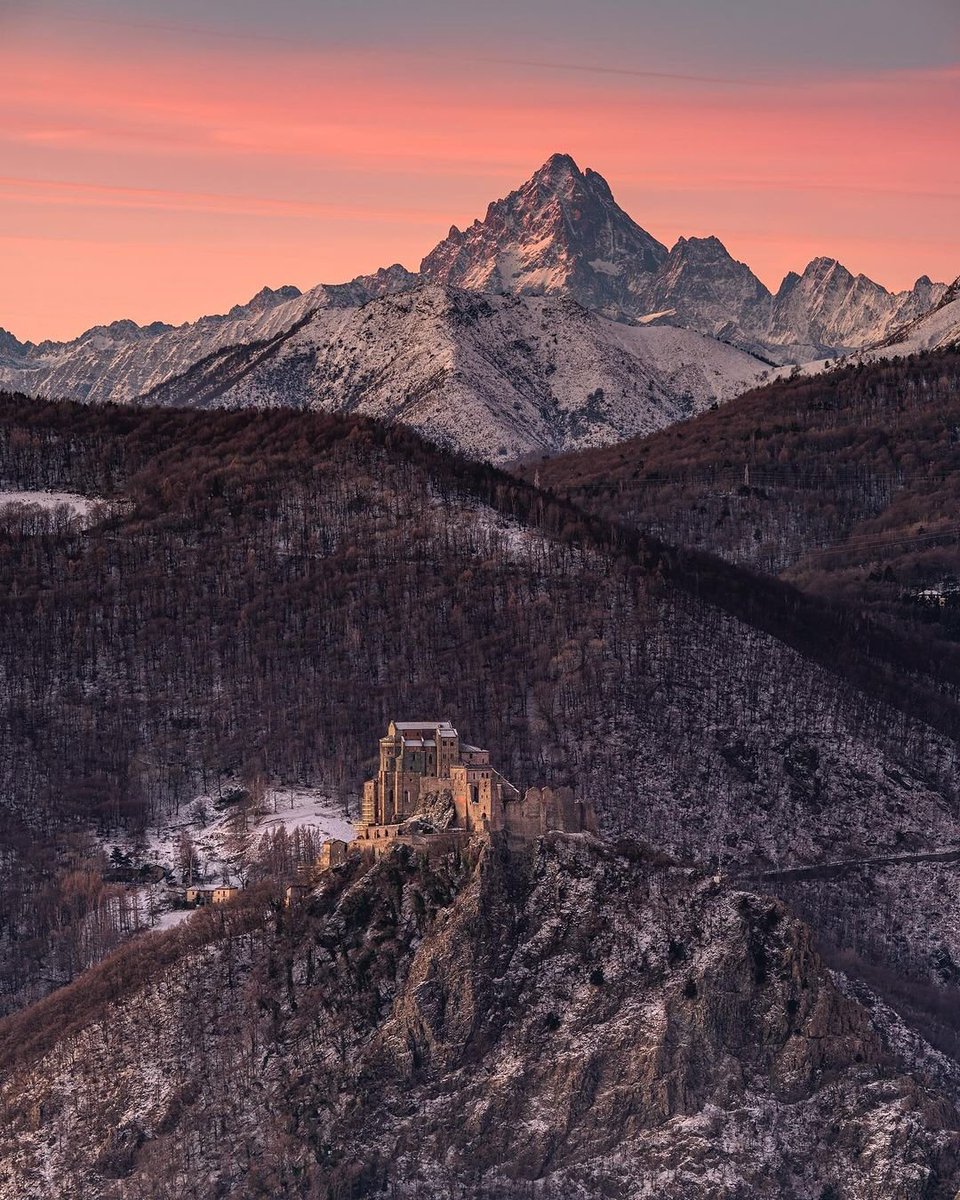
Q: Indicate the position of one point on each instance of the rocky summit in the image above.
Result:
(561, 232)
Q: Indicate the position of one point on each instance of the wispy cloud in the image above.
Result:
(585, 68)
(71, 193)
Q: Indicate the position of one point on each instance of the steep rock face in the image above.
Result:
(563, 233)
(568, 1018)
(828, 310)
(496, 377)
(702, 287)
(10, 349)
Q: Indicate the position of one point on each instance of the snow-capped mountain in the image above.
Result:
(495, 376)
(935, 329)
(561, 233)
(121, 361)
(827, 309)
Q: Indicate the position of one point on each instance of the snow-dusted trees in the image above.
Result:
(270, 588)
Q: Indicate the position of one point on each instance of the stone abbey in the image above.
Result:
(426, 770)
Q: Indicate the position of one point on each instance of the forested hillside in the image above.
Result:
(260, 592)
(846, 483)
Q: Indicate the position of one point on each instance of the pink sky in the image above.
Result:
(162, 183)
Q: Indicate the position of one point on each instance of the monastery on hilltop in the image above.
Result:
(427, 772)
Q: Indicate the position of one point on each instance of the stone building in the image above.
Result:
(201, 895)
(425, 768)
(333, 852)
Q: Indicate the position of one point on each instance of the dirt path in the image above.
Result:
(833, 870)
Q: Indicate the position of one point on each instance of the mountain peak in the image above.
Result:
(560, 232)
(823, 268)
(700, 247)
(707, 289)
(265, 299)
(557, 169)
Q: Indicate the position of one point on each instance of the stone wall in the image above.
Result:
(544, 809)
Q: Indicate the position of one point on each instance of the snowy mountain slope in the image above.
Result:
(118, 362)
(936, 329)
(495, 376)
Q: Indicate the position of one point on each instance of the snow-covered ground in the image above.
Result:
(171, 917)
(212, 828)
(312, 808)
(79, 506)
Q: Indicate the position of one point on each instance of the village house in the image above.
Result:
(294, 892)
(200, 895)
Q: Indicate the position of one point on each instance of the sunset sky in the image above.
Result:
(160, 162)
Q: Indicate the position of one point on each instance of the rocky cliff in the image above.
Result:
(561, 232)
(569, 1019)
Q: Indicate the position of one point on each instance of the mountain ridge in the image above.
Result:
(563, 232)
(553, 204)
(496, 376)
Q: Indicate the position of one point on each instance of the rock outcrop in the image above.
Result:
(572, 1019)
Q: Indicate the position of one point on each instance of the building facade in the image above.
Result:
(426, 762)
(425, 765)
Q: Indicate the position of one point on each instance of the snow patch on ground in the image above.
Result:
(210, 825)
(79, 506)
(313, 808)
